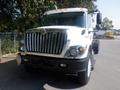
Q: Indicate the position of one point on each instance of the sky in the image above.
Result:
(110, 9)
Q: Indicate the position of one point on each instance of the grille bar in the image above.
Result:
(50, 43)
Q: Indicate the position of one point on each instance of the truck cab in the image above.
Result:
(63, 43)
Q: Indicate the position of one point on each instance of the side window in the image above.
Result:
(81, 21)
(89, 21)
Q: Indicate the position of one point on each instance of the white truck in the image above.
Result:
(64, 43)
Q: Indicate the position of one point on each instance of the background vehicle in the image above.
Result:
(64, 43)
(109, 34)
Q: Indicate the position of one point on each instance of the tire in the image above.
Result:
(92, 60)
(96, 49)
(83, 77)
(95, 46)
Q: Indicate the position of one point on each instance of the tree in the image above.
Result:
(89, 4)
(23, 14)
(8, 12)
(106, 24)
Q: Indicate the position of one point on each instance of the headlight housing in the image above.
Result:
(75, 51)
(22, 41)
(21, 48)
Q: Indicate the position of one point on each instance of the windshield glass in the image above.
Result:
(68, 19)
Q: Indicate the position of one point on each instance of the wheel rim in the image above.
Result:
(89, 68)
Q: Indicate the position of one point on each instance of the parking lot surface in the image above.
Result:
(106, 75)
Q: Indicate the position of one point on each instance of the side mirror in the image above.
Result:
(99, 18)
(98, 21)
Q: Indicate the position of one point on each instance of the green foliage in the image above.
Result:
(8, 12)
(89, 4)
(106, 24)
(20, 15)
(8, 46)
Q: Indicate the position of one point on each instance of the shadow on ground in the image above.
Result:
(16, 78)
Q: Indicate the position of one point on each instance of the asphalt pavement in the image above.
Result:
(106, 75)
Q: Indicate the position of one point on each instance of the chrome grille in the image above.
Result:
(50, 42)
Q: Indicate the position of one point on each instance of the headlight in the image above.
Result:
(21, 48)
(75, 51)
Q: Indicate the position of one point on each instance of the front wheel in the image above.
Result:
(83, 77)
(95, 46)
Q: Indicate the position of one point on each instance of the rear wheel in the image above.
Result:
(83, 77)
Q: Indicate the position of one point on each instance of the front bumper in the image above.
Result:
(54, 64)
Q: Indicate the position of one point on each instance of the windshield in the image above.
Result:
(68, 19)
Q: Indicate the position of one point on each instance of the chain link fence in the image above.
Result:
(9, 42)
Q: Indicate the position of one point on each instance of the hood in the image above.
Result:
(56, 27)
(74, 33)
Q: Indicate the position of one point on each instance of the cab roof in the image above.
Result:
(66, 10)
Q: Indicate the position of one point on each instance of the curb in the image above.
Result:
(9, 55)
